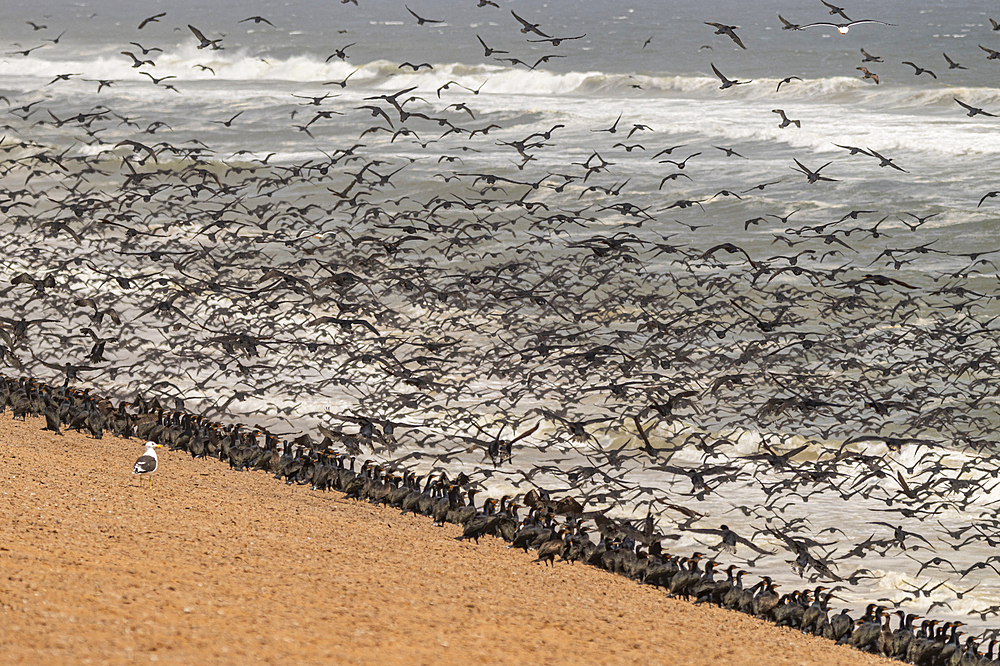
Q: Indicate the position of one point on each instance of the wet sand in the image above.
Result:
(216, 566)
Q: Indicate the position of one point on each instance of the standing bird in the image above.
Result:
(147, 463)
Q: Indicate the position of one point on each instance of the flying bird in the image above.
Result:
(868, 75)
(842, 28)
(205, 41)
(812, 176)
(952, 64)
(257, 20)
(787, 79)
(152, 19)
(421, 20)
(785, 121)
(917, 71)
(730, 30)
(726, 83)
(973, 111)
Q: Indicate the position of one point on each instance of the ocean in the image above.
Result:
(298, 230)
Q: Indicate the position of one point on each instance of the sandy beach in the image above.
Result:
(213, 566)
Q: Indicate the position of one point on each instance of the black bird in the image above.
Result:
(988, 195)
(340, 53)
(917, 71)
(205, 41)
(136, 63)
(527, 27)
(992, 55)
(812, 176)
(227, 123)
(868, 57)
(487, 51)
(785, 121)
(836, 11)
(730, 30)
(257, 20)
(787, 79)
(952, 64)
(614, 127)
(788, 25)
(730, 152)
(420, 19)
(726, 83)
(155, 18)
(973, 111)
(885, 161)
(144, 50)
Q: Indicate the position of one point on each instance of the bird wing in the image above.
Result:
(749, 544)
(197, 33)
(144, 465)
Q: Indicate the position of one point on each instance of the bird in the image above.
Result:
(487, 51)
(785, 121)
(227, 123)
(836, 11)
(973, 111)
(205, 41)
(421, 20)
(155, 18)
(917, 71)
(147, 463)
(868, 75)
(257, 20)
(787, 79)
(992, 55)
(885, 161)
(730, 30)
(726, 83)
(340, 53)
(136, 63)
(144, 50)
(788, 25)
(812, 176)
(952, 64)
(868, 57)
(730, 152)
(614, 126)
(842, 28)
(527, 26)
(988, 195)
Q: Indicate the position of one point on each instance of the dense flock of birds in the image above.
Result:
(547, 332)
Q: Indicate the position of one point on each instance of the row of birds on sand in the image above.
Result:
(553, 528)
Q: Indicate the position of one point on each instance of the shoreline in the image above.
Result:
(219, 566)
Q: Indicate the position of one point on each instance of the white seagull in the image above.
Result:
(842, 28)
(146, 464)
